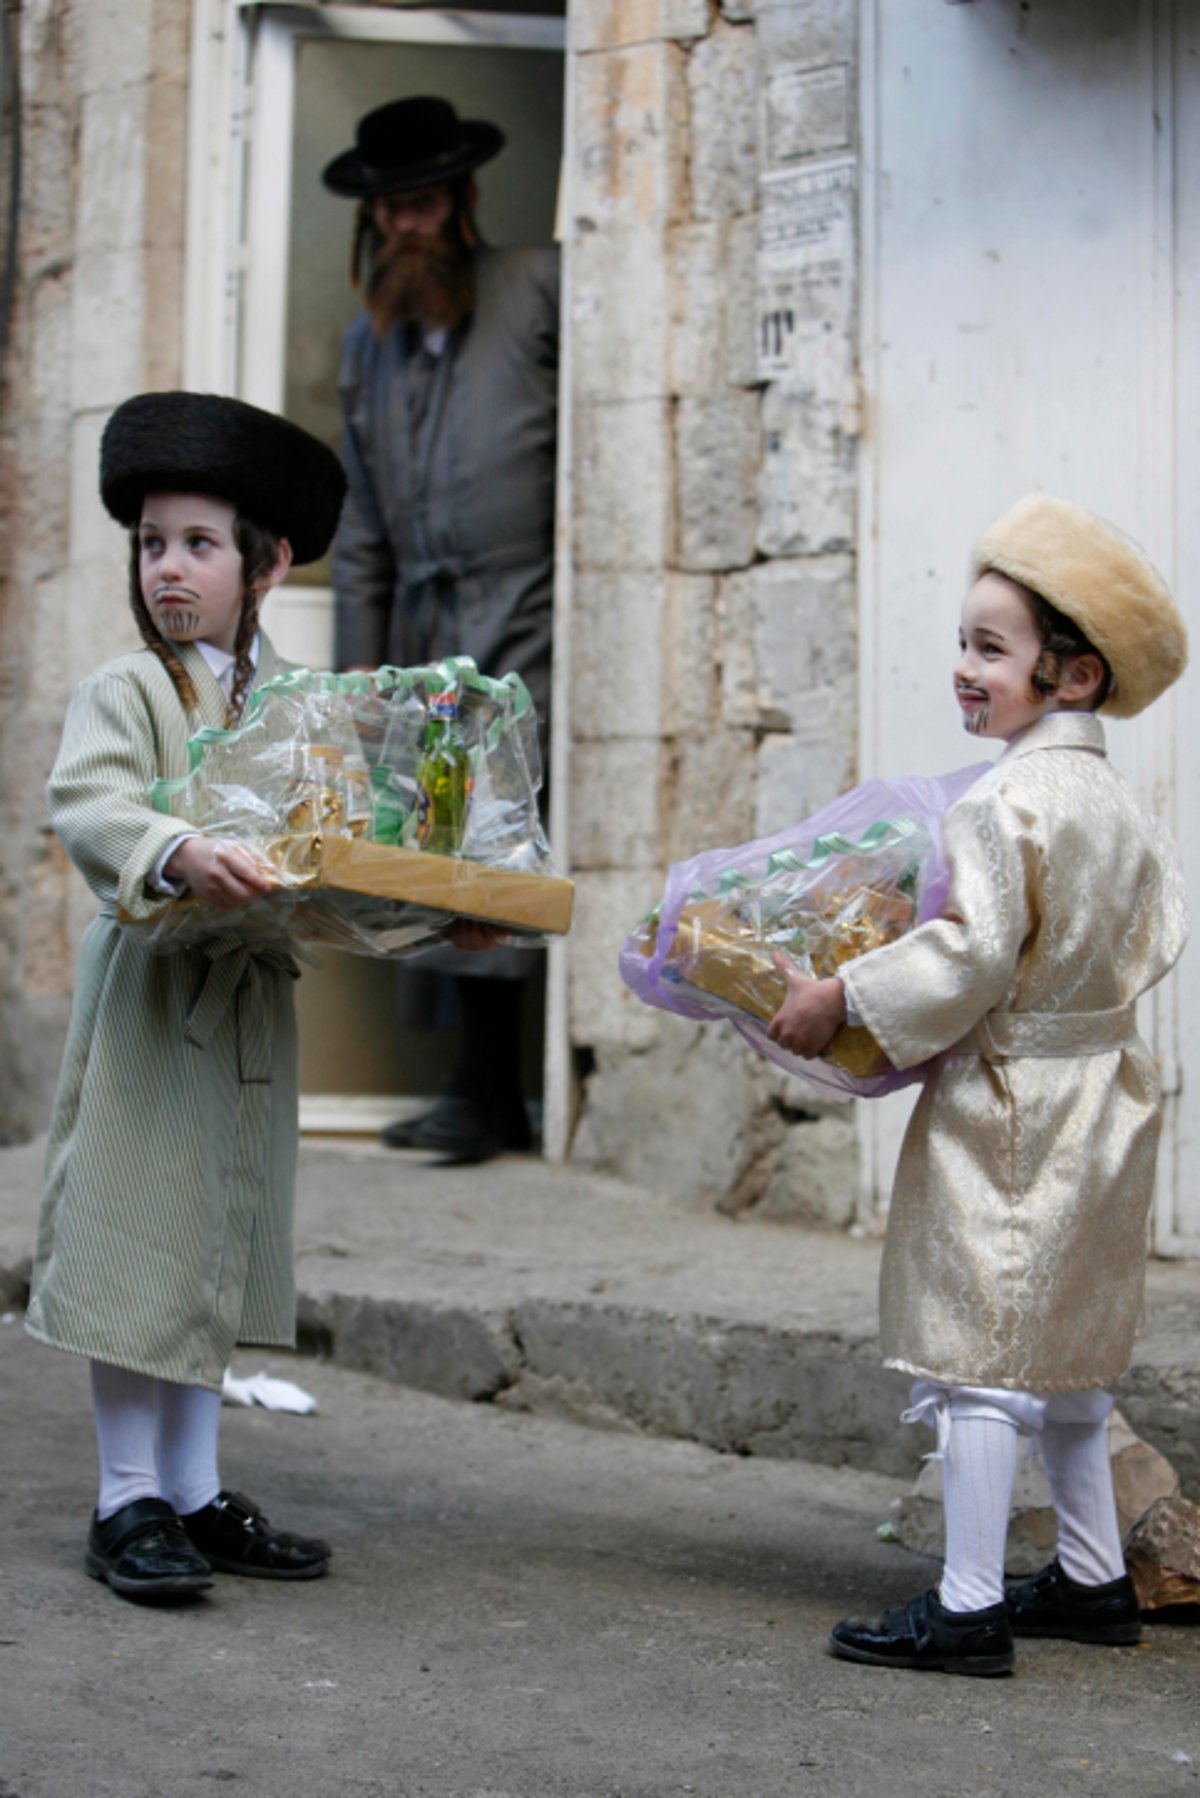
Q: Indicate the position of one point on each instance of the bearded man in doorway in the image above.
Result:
(448, 385)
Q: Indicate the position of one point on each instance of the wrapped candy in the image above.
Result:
(856, 876)
(382, 805)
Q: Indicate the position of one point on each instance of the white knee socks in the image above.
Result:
(156, 1439)
(1080, 1474)
(978, 1473)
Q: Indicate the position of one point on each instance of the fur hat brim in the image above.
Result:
(1102, 581)
(276, 474)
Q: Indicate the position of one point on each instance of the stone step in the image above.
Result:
(550, 1288)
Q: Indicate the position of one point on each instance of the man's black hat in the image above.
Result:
(411, 143)
(279, 476)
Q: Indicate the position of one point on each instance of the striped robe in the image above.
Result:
(165, 1231)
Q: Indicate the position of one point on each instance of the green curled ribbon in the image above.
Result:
(883, 835)
(509, 694)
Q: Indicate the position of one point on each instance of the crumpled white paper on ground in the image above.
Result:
(265, 1390)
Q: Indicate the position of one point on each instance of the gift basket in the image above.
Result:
(382, 805)
(858, 875)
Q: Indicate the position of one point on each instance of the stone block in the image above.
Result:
(630, 165)
(619, 314)
(814, 1180)
(118, 43)
(47, 964)
(789, 627)
(1163, 1554)
(741, 1388)
(708, 793)
(797, 775)
(107, 314)
(717, 454)
(695, 288)
(112, 172)
(807, 33)
(740, 315)
(608, 905)
(165, 156)
(807, 484)
(614, 804)
(50, 629)
(616, 635)
(712, 289)
(621, 485)
(456, 1351)
(40, 462)
(49, 172)
(690, 1116)
(691, 687)
(723, 88)
(94, 538)
(612, 24)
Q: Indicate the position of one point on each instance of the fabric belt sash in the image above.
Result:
(235, 977)
(1003, 1035)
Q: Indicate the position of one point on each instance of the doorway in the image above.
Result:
(277, 92)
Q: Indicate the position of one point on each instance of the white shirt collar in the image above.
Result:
(221, 662)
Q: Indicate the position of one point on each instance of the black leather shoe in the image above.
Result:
(143, 1552)
(1053, 1604)
(234, 1537)
(924, 1635)
(456, 1130)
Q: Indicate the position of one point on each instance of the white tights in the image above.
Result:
(157, 1439)
(978, 1438)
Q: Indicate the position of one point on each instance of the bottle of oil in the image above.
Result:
(443, 780)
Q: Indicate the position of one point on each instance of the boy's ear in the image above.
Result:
(283, 562)
(1081, 678)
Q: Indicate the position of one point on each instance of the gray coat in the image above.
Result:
(165, 1233)
(446, 544)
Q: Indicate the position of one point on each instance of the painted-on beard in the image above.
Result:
(421, 280)
(178, 621)
(976, 723)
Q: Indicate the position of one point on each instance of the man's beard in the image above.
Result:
(421, 280)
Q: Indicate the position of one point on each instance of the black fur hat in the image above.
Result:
(279, 476)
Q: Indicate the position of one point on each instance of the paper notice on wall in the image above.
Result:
(806, 240)
(806, 112)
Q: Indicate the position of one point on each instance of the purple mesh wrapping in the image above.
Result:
(925, 800)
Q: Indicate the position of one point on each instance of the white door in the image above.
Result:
(1031, 212)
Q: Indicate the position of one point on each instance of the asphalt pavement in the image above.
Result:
(523, 1608)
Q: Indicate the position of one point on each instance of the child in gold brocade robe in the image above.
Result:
(1013, 1267)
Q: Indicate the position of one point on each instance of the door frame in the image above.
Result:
(241, 99)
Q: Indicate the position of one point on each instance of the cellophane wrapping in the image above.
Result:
(321, 755)
(865, 870)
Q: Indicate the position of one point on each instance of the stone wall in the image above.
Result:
(714, 426)
(97, 316)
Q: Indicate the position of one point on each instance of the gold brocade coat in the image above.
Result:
(1015, 1250)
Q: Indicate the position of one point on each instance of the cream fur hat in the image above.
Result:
(1100, 580)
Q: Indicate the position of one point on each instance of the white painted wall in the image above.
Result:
(1031, 241)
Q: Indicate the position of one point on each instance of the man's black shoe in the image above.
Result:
(924, 1635)
(234, 1537)
(143, 1552)
(458, 1132)
(1053, 1604)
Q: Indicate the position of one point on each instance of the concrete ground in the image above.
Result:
(557, 1290)
(522, 1608)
